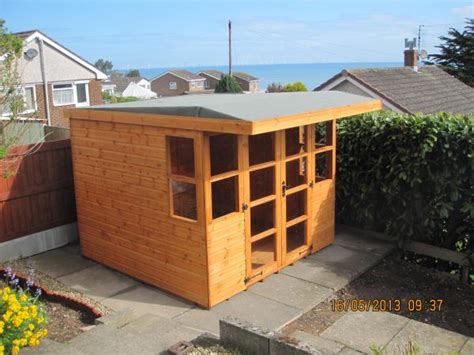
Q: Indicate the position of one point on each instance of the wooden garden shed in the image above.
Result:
(204, 195)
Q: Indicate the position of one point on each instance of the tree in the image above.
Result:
(12, 102)
(296, 86)
(227, 84)
(133, 73)
(104, 66)
(275, 87)
(456, 55)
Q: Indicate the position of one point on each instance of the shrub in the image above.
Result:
(227, 84)
(22, 319)
(408, 176)
(296, 86)
(275, 87)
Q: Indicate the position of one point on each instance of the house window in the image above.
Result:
(30, 102)
(63, 94)
(182, 180)
(81, 90)
(172, 85)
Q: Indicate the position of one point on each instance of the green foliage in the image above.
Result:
(410, 348)
(296, 86)
(408, 176)
(227, 84)
(133, 73)
(457, 53)
(104, 66)
(117, 99)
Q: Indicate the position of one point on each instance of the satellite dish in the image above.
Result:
(423, 54)
(31, 53)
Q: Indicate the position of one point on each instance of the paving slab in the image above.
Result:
(291, 291)
(361, 330)
(58, 262)
(104, 340)
(349, 351)
(98, 282)
(145, 299)
(312, 271)
(468, 348)
(363, 243)
(246, 306)
(325, 345)
(159, 333)
(73, 248)
(429, 338)
(51, 347)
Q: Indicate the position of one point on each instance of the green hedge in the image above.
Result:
(408, 176)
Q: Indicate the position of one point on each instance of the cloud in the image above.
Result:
(465, 11)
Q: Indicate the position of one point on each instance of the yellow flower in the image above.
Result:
(40, 320)
(6, 290)
(6, 317)
(23, 298)
(15, 350)
(17, 322)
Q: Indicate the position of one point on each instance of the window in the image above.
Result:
(172, 85)
(81, 90)
(323, 166)
(323, 134)
(63, 94)
(224, 174)
(182, 177)
(71, 94)
(30, 102)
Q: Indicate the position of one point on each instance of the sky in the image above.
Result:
(150, 34)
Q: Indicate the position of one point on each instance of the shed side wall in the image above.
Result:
(120, 173)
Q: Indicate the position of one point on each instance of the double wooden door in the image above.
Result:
(278, 187)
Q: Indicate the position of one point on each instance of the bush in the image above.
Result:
(408, 176)
(22, 320)
(227, 84)
(296, 86)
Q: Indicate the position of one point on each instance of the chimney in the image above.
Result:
(411, 54)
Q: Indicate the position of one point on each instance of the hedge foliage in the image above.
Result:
(408, 176)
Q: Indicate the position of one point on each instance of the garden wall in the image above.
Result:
(408, 176)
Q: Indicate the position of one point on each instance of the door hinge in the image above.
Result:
(245, 207)
(247, 278)
(311, 184)
(283, 188)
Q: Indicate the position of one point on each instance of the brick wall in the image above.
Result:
(57, 113)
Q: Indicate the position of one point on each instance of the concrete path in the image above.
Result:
(160, 319)
(357, 332)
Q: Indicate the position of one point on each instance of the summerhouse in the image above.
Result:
(204, 195)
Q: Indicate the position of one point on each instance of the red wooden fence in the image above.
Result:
(40, 195)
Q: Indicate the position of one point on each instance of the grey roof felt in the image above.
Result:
(122, 82)
(429, 90)
(248, 107)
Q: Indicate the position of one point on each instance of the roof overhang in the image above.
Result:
(225, 125)
(42, 37)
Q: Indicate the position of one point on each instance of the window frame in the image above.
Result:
(174, 84)
(182, 178)
(74, 93)
(35, 104)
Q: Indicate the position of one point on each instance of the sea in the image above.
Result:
(311, 74)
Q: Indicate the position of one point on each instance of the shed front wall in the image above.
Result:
(122, 192)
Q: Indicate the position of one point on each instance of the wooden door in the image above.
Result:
(296, 182)
(262, 206)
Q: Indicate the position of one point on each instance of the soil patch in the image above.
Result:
(65, 322)
(394, 279)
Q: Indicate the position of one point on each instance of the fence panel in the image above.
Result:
(40, 195)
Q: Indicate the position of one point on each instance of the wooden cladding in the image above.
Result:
(200, 214)
(40, 195)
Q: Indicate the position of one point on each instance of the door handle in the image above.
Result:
(283, 188)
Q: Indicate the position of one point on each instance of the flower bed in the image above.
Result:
(29, 311)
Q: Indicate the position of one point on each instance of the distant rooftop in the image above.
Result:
(254, 107)
(428, 90)
(244, 76)
(212, 72)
